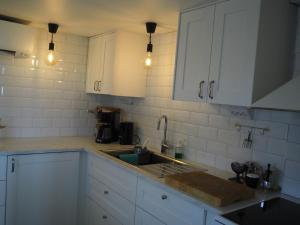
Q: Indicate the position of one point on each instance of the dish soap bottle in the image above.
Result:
(179, 150)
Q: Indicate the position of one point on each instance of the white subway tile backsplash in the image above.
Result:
(208, 132)
(265, 158)
(206, 158)
(291, 187)
(217, 148)
(294, 134)
(229, 137)
(292, 169)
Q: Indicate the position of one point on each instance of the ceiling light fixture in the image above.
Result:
(52, 27)
(150, 27)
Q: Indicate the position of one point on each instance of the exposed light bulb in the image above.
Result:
(148, 61)
(51, 58)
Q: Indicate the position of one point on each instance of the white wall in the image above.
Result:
(208, 130)
(43, 100)
(34, 104)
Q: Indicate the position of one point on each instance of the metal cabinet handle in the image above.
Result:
(99, 86)
(211, 89)
(164, 197)
(106, 192)
(104, 217)
(95, 83)
(13, 165)
(200, 94)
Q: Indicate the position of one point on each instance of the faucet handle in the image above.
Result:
(164, 148)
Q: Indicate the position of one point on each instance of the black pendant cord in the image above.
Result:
(150, 38)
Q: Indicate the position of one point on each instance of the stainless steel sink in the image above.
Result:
(157, 164)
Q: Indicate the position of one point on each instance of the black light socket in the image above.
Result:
(51, 46)
(151, 27)
(52, 28)
(149, 47)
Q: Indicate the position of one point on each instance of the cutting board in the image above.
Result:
(211, 189)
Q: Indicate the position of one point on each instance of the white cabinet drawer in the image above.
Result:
(95, 215)
(144, 218)
(2, 215)
(3, 162)
(2, 192)
(117, 178)
(166, 206)
(119, 207)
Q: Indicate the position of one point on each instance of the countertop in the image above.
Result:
(11, 146)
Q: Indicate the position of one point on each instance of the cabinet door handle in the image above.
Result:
(164, 197)
(106, 192)
(200, 94)
(211, 89)
(13, 165)
(99, 85)
(95, 83)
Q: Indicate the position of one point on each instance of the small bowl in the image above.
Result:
(252, 180)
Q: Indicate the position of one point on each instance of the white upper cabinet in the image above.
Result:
(250, 53)
(95, 64)
(193, 54)
(116, 64)
(234, 52)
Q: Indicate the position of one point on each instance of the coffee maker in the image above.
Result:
(108, 123)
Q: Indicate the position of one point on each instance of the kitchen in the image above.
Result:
(218, 109)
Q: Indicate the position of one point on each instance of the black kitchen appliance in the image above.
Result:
(126, 133)
(108, 123)
(278, 211)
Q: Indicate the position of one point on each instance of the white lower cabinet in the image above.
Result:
(42, 189)
(116, 205)
(2, 215)
(119, 179)
(97, 215)
(3, 164)
(144, 218)
(168, 207)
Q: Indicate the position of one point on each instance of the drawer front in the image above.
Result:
(119, 207)
(167, 207)
(3, 162)
(144, 218)
(118, 179)
(2, 192)
(2, 215)
(95, 215)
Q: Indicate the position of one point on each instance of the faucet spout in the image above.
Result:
(164, 143)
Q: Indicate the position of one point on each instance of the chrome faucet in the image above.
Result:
(164, 143)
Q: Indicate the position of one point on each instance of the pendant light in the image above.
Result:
(51, 60)
(150, 27)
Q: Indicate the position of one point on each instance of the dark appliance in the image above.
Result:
(278, 211)
(126, 133)
(108, 122)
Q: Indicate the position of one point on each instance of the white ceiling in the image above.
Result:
(90, 17)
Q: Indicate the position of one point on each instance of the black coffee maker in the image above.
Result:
(108, 122)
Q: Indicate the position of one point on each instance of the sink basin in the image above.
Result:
(154, 163)
(148, 157)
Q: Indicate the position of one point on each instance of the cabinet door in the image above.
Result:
(95, 64)
(234, 52)
(95, 215)
(193, 54)
(167, 206)
(42, 189)
(143, 218)
(106, 86)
